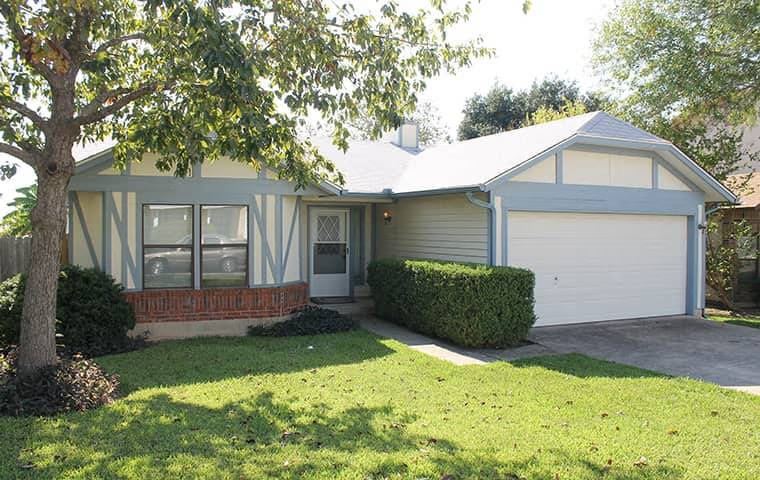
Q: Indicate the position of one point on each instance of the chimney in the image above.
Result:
(407, 135)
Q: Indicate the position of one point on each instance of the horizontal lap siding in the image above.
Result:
(444, 227)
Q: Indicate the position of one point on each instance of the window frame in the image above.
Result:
(191, 245)
(222, 245)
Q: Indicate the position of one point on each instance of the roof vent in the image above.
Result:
(407, 135)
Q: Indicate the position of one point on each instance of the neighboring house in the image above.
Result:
(747, 188)
(609, 218)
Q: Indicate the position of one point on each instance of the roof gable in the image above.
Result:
(605, 125)
(476, 164)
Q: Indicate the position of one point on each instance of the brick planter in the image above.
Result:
(158, 306)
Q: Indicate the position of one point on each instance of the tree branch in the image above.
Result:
(93, 113)
(24, 41)
(23, 155)
(117, 41)
(22, 109)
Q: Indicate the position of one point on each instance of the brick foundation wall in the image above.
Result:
(153, 306)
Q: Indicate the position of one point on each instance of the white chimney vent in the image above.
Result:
(407, 135)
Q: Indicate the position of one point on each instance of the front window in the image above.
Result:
(224, 245)
(167, 246)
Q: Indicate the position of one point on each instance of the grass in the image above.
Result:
(744, 320)
(355, 406)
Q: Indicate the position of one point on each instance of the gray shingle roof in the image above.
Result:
(375, 166)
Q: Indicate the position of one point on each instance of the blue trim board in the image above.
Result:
(548, 197)
(559, 166)
(278, 267)
(107, 201)
(70, 231)
(692, 258)
(196, 246)
(138, 242)
(655, 172)
(252, 225)
(296, 213)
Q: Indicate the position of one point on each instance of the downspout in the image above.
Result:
(492, 212)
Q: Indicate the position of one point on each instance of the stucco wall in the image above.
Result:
(106, 217)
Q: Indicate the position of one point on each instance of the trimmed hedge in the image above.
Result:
(93, 315)
(471, 305)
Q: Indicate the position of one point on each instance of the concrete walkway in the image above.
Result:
(724, 354)
(446, 351)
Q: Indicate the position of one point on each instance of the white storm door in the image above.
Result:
(329, 272)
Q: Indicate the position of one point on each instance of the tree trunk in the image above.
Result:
(37, 341)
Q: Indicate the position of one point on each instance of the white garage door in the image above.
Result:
(593, 267)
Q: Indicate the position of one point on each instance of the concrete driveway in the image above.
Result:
(728, 355)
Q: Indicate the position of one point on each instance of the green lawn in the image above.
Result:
(355, 406)
(743, 320)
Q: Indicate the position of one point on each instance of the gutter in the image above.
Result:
(492, 215)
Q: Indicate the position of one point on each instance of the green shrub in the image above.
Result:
(93, 316)
(471, 305)
(310, 320)
(73, 384)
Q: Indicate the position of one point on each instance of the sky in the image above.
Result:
(554, 37)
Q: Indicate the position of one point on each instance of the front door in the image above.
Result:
(329, 272)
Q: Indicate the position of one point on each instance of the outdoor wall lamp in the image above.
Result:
(387, 217)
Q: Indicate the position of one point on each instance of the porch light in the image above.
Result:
(387, 217)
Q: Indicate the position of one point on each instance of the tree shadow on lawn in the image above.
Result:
(199, 360)
(582, 366)
(159, 437)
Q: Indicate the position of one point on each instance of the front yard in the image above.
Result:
(355, 406)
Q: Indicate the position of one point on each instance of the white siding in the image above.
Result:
(444, 227)
(544, 171)
(606, 169)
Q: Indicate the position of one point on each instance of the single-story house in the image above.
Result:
(609, 217)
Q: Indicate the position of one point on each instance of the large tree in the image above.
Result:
(701, 56)
(502, 108)
(690, 73)
(194, 80)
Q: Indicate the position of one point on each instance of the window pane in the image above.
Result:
(168, 224)
(224, 266)
(329, 258)
(168, 267)
(222, 224)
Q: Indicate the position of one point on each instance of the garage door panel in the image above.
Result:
(592, 267)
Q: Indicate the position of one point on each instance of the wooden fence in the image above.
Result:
(15, 254)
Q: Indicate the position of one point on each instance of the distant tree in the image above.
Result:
(548, 114)
(431, 129)
(503, 109)
(18, 223)
(701, 56)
